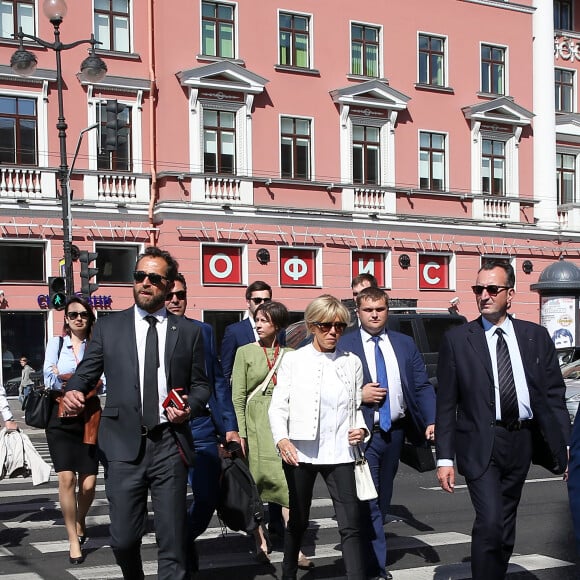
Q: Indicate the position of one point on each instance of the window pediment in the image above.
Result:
(376, 94)
(224, 75)
(502, 110)
(568, 127)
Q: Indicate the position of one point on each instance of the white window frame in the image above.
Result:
(574, 89)
(452, 272)
(41, 118)
(387, 259)
(379, 27)
(35, 21)
(311, 37)
(312, 155)
(236, 35)
(318, 264)
(506, 71)
(576, 154)
(131, 29)
(136, 132)
(445, 39)
(446, 177)
(243, 260)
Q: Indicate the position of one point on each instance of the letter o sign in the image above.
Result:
(221, 264)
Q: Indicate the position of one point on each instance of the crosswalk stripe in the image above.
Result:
(25, 576)
(463, 486)
(36, 491)
(528, 562)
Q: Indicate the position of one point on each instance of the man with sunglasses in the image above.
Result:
(217, 423)
(500, 405)
(398, 401)
(145, 352)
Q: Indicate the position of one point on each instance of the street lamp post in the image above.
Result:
(93, 69)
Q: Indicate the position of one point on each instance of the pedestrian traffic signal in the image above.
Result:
(116, 126)
(85, 258)
(57, 292)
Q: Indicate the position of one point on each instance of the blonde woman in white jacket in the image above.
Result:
(310, 415)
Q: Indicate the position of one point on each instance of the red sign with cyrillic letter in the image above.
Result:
(433, 272)
(221, 264)
(297, 267)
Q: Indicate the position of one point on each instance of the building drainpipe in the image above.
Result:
(152, 124)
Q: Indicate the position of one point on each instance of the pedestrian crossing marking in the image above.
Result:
(522, 563)
(463, 486)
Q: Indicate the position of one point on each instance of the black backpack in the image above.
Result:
(239, 507)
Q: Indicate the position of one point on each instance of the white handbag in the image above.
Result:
(365, 487)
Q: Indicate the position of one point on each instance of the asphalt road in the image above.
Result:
(428, 537)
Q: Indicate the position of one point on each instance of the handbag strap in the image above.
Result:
(264, 384)
(359, 455)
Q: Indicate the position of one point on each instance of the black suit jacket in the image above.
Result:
(466, 398)
(113, 350)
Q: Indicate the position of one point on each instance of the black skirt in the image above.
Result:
(66, 447)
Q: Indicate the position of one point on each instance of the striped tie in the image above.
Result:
(508, 397)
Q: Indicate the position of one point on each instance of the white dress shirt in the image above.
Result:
(141, 328)
(396, 398)
(517, 366)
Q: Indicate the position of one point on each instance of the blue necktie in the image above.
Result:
(385, 408)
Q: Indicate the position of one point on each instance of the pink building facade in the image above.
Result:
(299, 143)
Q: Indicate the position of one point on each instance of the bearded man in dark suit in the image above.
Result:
(145, 352)
(500, 406)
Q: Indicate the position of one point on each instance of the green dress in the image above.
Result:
(250, 369)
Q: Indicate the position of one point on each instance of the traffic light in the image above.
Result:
(116, 126)
(85, 258)
(57, 292)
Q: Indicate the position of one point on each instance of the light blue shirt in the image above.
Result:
(65, 362)
(517, 366)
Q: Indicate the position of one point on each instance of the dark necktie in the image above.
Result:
(508, 397)
(150, 393)
(385, 407)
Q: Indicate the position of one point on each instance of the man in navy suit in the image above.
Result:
(409, 402)
(500, 406)
(145, 352)
(216, 425)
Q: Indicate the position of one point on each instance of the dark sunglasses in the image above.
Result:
(257, 301)
(492, 289)
(74, 315)
(179, 294)
(340, 327)
(155, 279)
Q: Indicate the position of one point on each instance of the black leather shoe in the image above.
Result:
(78, 560)
(82, 540)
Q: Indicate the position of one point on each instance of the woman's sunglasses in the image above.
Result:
(340, 327)
(74, 315)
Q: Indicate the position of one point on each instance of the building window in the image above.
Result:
(295, 148)
(219, 141)
(21, 262)
(492, 69)
(16, 14)
(564, 90)
(563, 14)
(365, 154)
(18, 131)
(432, 161)
(112, 25)
(217, 29)
(116, 263)
(294, 33)
(121, 159)
(431, 60)
(566, 178)
(493, 167)
(364, 50)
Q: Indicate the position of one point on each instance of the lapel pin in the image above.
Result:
(174, 328)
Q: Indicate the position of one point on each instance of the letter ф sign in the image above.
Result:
(433, 272)
(369, 263)
(221, 265)
(297, 267)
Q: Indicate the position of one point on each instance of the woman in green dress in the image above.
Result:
(253, 381)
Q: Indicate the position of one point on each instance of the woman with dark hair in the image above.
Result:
(253, 382)
(71, 443)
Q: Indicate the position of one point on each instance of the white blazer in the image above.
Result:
(295, 406)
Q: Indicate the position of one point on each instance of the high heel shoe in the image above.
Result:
(78, 560)
(262, 556)
(82, 540)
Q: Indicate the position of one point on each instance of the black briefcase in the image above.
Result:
(419, 458)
